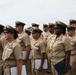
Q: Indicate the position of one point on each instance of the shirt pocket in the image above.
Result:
(36, 46)
(58, 45)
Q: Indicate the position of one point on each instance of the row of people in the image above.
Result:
(54, 44)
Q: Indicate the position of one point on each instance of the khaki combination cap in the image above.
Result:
(9, 29)
(51, 25)
(28, 30)
(35, 25)
(45, 25)
(72, 21)
(36, 31)
(1, 26)
(19, 23)
(70, 27)
(59, 24)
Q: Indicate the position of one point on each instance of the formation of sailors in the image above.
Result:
(51, 51)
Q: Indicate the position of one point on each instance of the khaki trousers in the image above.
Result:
(1, 67)
(36, 72)
(53, 70)
(28, 67)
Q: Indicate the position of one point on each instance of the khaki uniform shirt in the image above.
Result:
(73, 44)
(24, 40)
(3, 42)
(15, 55)
(45, 35)
(48, 41)
(2, 36)
(41, 37)
(58, 47)
(38, 47)
(1, 50)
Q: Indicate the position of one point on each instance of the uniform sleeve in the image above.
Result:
(75, 42)
(42, 47)
(0, 45)
(67, 44)
(17, 52)
(26, 40)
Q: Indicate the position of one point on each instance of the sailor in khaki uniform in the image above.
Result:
(24, 40)
(12, 55)
(35, 25)
(28, 31)
(51, 28)
(45, 32)
(38, 51)
(51, 35)
(1, 30)
(51, 31)
(72, 37)
(59, 49)
(1, 49)
(2, 37)
(73, 23)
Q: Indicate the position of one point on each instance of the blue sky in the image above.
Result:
(36, 11)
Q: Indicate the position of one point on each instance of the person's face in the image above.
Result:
(70, 32)
(8, 36)
(46, 29)
(19, 28)
(51, 29)
(74, 25)
(36, 35)
(58, 31)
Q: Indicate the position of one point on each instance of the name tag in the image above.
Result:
(37, 63)
(24, 55)
(14, 70)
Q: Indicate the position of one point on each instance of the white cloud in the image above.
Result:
(40, 11)
(45, 1)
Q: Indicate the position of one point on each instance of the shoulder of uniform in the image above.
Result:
(14, 44)
(65, 38)
(26, 35)
(42, 41)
